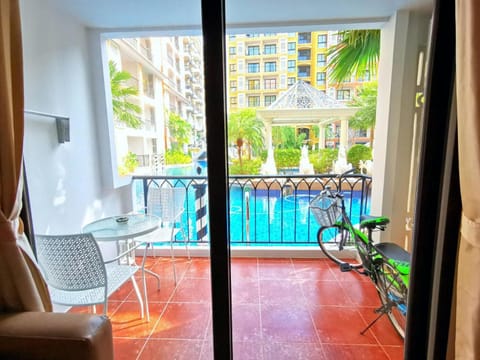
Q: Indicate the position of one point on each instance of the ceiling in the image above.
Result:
(185, 14)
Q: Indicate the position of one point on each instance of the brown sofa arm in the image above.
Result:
(52, 336)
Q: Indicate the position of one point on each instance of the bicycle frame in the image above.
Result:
(367, 250)
(386, 263)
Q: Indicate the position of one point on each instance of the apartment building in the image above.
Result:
(263, 66)
(167, 71)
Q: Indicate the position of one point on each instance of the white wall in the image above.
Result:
(401, 39)
(65, 182)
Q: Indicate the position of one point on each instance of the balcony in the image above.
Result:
(282, 309)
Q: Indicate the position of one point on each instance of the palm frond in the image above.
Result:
(357, 53)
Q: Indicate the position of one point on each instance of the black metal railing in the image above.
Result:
(265, 210)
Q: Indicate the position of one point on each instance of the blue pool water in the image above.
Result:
(275, 218)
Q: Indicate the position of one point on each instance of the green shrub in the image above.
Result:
(250, 167)
(130, 163)
(323, 159)
(173, 157)
(358, 152)
(285, 158)
(263, 155)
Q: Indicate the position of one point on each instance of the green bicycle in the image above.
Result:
(386, 264)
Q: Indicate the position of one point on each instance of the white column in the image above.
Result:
(321, 136)
(344, 133)
(268, 134)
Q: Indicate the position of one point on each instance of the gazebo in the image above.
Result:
(302, 104)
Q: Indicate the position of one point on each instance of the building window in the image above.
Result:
(270, 49)
(303, 55)
(343, 94)
(303, 71)
(292, 48)
(254, 84)
(270, 84)
(233, 67)
(320, 78)
(232, 50)
(233, 85)
(253, 67)
(291, 65)
(253, 50)
(304, 38)
(269, 99)
(290, 81)
(253, 101)
(321, 60)
(322, 41)
(233, 100)
(148, 88)
(270, 66)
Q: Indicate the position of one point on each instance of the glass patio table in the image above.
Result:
(126, 228)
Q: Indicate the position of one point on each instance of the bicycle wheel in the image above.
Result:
(393, 293)
(329, 241)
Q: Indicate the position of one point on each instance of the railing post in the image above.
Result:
(145, 194)
(247, 217)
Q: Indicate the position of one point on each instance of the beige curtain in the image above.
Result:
(467, 334)
(21, 286)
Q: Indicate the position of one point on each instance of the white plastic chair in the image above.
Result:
(168, 203)
(76, 273)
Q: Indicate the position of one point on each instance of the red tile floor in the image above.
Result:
(282, 309)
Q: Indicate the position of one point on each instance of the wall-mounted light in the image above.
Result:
(63, 129)
(62, 122)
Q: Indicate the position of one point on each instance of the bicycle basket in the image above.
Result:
(326, 209)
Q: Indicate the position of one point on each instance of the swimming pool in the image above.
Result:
(276, 217)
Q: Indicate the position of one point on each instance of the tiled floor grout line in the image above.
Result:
(374, 335)
(257, 260)
(365, 320)
(209, 323)
(308, 307)
(147, 339)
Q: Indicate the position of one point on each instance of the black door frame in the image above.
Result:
(213, 28)
(435, 239)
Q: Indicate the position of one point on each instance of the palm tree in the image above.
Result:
(366, 101)
(180, 130)
(356, 53)
(244, 127)
(123, 109)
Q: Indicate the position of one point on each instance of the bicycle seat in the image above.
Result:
(371, 222)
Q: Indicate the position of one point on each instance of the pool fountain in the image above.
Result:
(269, 167)
(341, 165)
(305, 166)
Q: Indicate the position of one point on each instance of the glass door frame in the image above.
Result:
(435, 181)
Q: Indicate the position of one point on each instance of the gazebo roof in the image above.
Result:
(302, 104)
(304, 96)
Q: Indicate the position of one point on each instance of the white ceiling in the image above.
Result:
(185, 14)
